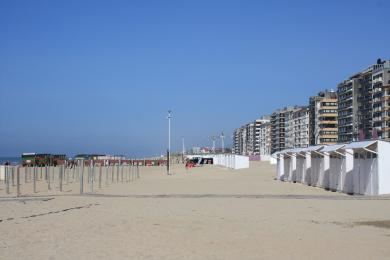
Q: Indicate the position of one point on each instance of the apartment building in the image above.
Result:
(362, 104)
(348, 108)
(278, 128)
(323, 118)
(297, 128)
(246, 139)
(289, 128)
(265, 138)
(381, 100)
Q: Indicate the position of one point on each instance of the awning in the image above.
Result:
(313, 148)
(296, 150)
(360, 145)
(332, 148)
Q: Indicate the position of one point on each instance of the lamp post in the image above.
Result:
(169, 140)
(184, 149)
(222, 142)
(213, 138)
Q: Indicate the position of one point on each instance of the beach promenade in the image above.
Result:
(202, 213)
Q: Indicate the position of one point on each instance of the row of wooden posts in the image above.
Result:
(64, 175)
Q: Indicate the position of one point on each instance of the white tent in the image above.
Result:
(371, 167)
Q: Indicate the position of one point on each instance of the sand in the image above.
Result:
(204, 213)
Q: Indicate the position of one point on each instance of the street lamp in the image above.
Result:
(222, 136)
(213, 138)
(169, 140)
(184, 149)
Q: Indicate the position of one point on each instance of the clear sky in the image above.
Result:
(99, 76)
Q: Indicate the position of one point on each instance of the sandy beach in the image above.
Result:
(203, 213)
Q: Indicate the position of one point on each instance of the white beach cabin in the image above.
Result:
(241, 162)
(287, 160)
(300, 165)
(290, 172)
(336, 167)
(279, 165)
(371, 167)
(314, 165)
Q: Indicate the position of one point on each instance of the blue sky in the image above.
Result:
(99, 76)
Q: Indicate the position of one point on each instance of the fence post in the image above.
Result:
(48, 177)
(121, 173)
(35, 179)
(77, 173)
(107, 170)
(82, 178)
(6, 178)
(67, 174)
(61, 169)
(112, 173)
(25, 173)
(92, 175)
(100, 176)
(117, 173)
(17, 181)
(13, 176)
(137, 172)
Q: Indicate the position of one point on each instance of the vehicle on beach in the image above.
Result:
(198, 161)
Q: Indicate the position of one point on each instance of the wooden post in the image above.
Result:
(61, 169)
(18, 181)
(67, 174)
(121, 173)
(35, 179)
(13, 176)
(48, 177)
(82, 178)
(100, 176)
(112, 173)
(117, 173)
(6, 178)
(92, 175)
(107, 171)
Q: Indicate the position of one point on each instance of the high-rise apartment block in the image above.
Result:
(358, 110)
(247, 139)
(381, 100)
(297, 128)
(323, 118)
(265, 138)
(289, 128)
(362, 104)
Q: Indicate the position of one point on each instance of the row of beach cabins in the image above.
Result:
(361, 168)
